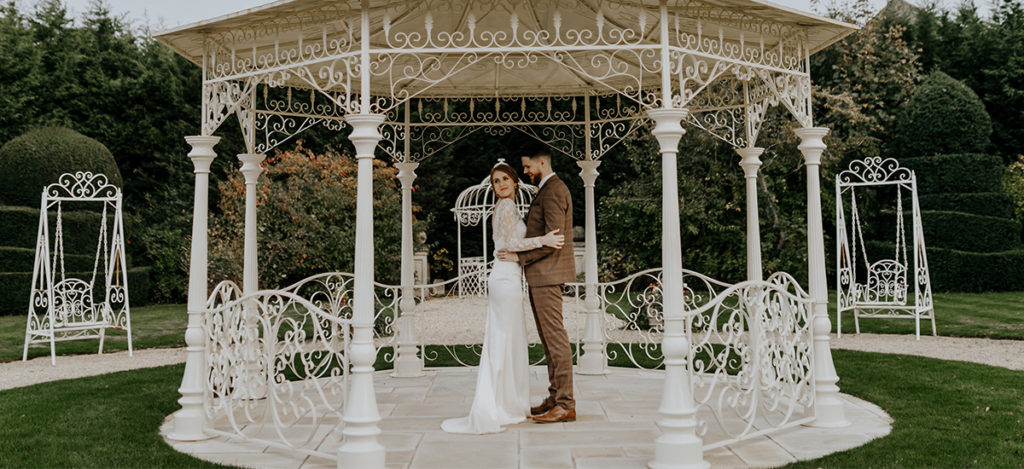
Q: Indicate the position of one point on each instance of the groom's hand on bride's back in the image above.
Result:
(507, 256)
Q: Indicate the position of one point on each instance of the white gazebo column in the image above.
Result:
(828, 407)
(593, 359)
(360, 447)
(408, 364)
(252, 384)
(750, 163)
(678, 446)
(189, 421)
(250, 269)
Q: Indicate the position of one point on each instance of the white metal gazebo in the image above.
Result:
(406, 79)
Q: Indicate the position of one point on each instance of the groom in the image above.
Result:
(547, 270)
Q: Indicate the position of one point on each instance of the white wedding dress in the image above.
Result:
(502, 383)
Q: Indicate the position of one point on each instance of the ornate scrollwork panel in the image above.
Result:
(221, 99)
(792, 91)
(82, 185)
(752, 358)
(276, 368)
(874, 169)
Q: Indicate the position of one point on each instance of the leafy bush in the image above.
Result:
(23, 259)
(306, 219)
(1013, 187)
(943, 116)
(32, 161)
(19, 227)
(958, 230)
(992, 204)
(971, 172)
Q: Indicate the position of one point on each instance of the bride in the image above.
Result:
(502, 383)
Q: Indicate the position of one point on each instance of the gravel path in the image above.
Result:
(461, 321)
(38, 370)
(1002, 353)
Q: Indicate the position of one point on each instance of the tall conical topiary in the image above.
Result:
(30, 162)
(944, 116)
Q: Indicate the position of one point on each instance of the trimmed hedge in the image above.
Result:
(37, 158)
(20, 225)
(23, 259)
(966, 172)
(992, 204)
(15, 287)
(943, 116)
(961, 271)
(958, 230)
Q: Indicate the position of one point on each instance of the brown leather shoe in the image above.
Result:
(543, 408)
(557, 414)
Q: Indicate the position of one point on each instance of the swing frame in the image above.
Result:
(884, 294)
(65, 308)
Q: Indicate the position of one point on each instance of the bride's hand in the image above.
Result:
(553, 240)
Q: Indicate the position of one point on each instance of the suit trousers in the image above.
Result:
(546, 302)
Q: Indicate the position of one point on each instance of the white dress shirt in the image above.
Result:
(542, 181)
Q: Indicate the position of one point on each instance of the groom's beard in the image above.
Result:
(534, 178)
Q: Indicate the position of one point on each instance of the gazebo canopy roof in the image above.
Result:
(440, 42)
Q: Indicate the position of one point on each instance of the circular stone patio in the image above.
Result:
(615, 428)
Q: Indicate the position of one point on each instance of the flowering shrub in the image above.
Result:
(1013, 186)
(306, 219)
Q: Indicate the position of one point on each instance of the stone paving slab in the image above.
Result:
(615, 429)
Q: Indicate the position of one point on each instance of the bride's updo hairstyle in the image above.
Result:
(505, 168)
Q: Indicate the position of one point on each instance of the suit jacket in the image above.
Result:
(550, 210)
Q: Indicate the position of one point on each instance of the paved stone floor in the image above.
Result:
(615, 429)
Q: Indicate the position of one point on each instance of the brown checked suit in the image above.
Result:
(547, 270)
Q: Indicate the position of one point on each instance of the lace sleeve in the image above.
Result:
(506, 221)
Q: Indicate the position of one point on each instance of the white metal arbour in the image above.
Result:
(62, 307)
(880, 288)
(473, 207)
(410, 78)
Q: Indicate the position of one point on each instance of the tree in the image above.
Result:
(944, 116)
(306, 219)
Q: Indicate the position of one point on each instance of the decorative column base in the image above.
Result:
(408, 364)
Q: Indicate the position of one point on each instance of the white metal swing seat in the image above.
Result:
(885, 292)
(67, 308)
(886, 285)
(73, 299)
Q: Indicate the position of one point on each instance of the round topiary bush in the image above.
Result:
(943, 116)
(38, 157)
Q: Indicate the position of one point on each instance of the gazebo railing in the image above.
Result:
(276, 369)
(752, 366)
(333, 293)
(751, 363)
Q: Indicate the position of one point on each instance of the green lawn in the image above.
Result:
(988, 315)
(152, 326)
(947, 414)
